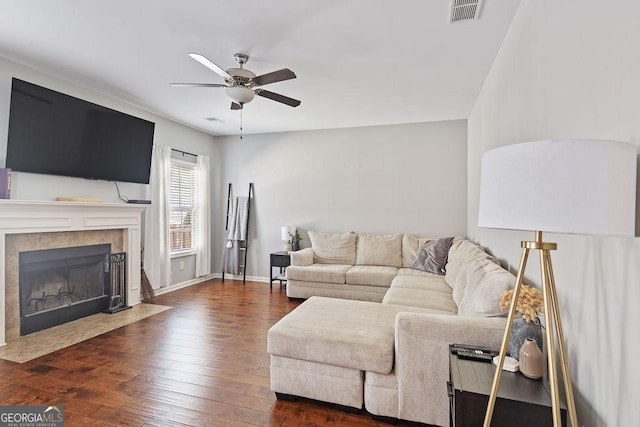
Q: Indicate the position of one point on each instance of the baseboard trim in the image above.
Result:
(182, 285)
(239, 277)
(197, 280)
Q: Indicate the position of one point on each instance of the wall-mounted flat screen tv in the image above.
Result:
(56, 134)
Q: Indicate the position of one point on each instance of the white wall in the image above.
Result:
(383, 179)
(570, 69)
(28, 186)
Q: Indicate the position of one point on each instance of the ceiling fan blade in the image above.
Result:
(277, 97)
(197, 85)
(210, 65)
(275, 76)
(236, 106)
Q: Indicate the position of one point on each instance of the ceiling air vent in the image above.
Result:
(214, 119)
(464, 10)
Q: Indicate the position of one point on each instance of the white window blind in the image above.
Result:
(182, 206)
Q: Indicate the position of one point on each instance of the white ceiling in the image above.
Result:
(358, 62)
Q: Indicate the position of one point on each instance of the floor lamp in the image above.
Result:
(570, 186)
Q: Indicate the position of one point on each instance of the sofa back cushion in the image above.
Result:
(330, 248)
(460, 253)
(470, 272)
(379, 249)
(410, 247)
(486, 282)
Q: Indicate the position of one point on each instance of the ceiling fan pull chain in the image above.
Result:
(240, 124)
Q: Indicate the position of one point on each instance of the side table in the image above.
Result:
(521, 402)
(279, 260)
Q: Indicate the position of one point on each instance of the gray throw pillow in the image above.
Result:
(432, 256)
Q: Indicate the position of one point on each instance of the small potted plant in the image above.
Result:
(527, 323)
(295, 240)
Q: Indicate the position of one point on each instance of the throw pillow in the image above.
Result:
(410, 247)
(432, 256)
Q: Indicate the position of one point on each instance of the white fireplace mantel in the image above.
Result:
(21, 216)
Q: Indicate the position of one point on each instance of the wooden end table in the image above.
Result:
(280, 260)
(521, 402)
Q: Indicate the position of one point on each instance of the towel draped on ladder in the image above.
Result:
(236, 234)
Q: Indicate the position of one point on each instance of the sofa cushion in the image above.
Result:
(347, 333)
(389, 380)
(379, 249)
(372, 275)
(433, 283)
(456, 243)
(408, 271)
(318, 381)
(381, 394)
(460, 253)
(470, 271)
(432, 256)
(483, 289)
(301, 257)
(410, 246)
(330, 248)
(329, 273)
(434, 301)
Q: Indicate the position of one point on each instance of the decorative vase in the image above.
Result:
(288, 247)
(295, 245)
(530, 359)
(520, 331)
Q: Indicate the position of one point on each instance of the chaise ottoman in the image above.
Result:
(322, 348)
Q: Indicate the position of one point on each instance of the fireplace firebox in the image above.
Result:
(60, 285)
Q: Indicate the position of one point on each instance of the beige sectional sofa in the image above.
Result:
(390, 357)
(349, 265)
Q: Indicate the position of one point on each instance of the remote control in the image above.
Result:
(475, 355)
(455, 348)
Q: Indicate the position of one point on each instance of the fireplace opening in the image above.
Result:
(60, 285)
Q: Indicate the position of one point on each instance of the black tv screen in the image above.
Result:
(57, 134)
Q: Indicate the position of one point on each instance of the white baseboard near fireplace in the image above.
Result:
(19, 217)
(182, 285)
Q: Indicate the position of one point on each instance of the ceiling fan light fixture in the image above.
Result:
(240, 94)
(243, 85)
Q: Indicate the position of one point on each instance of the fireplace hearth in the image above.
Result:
(64, 284)
(32, 225)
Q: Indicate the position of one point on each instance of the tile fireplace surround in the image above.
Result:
(64, 222)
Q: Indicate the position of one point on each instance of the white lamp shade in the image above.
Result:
(577, 186)
(286, 230)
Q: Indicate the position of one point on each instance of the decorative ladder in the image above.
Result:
(243, 243)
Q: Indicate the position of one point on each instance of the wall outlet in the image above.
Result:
(181, 265)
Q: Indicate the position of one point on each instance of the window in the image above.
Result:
(182, 206)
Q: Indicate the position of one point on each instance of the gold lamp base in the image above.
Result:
(553, 329)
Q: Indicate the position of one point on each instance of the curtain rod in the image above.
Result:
(184, 152)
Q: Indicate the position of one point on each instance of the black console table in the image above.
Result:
(521, 402)
(279, 260)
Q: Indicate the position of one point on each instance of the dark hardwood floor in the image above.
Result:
(202, 363)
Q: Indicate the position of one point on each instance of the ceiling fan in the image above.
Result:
(241, 84)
